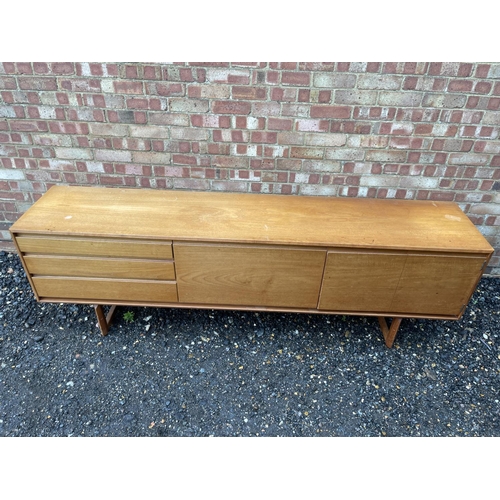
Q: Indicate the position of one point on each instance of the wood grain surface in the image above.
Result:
(94, 246)
(105, 289)
(240, 275)
(100, 267)
(253, 218)
(436, 285)
(366, 281)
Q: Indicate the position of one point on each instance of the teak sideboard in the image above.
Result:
(142, 247)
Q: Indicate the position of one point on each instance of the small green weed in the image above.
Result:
(128, 317)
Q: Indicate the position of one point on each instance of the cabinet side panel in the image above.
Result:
(436, 285)
(253, 276)
(363, 282)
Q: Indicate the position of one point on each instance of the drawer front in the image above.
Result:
(95, 267)
(105, 289)
(94, 247)
(251, 276)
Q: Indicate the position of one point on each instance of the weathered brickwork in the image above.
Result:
(425, 131)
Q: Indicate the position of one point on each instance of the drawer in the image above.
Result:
(102, 247)
(52, 287)
(52, 265)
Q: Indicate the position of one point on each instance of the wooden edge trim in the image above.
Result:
(25, 267)
(176, 305)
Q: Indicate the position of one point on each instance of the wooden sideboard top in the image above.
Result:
(253, 218)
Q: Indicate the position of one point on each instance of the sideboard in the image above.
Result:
(260, 252)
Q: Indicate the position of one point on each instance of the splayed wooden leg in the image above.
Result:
(103, 321)
(389, 333)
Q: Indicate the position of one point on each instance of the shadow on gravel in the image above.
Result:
(174, 372)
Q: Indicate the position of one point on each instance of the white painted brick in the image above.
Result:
(321, 166)
(325, 139)
(111, 129)
(318, 190)
(188, 105)
(334, 80)
(73, 153)
(494, 71)
(252, 123)
(107, 85)
(301, 178)
(93, 166)
(344, 154)
(86, 69)
(147, 131)
(52, 140)
(419, 182)
(112, 155)
(47, 112)
(48, 98)
(379, 180)
(353, 141)
(363, 168)
(187, 134)
(218, 75)
(7, 112)
(11, 174)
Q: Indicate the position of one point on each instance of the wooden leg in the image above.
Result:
(389, 333)
(104, 322)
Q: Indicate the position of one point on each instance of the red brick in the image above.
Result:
(494, 103)
(24, 69)
(304, 95)
(169, 89)
(64, 68)
(151, 73)
(289, 78)
(483, 87)
(324, 96)
(265, 137)
(330, 112)
(460, 86)
(124, 87)
(249, 93)
(131, 72)
(279, 124)
(210, 64)
(373, 67)
(442, 196)
(231, 107)
(37, 83)
(465, 69)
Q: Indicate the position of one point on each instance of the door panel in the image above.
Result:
(436, 284)
(253, 276)
(360, 281)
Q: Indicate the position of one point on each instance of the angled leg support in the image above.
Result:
(389, 333)
(104, 321)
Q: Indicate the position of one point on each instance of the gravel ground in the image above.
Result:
(175, 372)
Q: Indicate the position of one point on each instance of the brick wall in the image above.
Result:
(426, 131)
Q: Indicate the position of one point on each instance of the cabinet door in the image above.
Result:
(248, 275)
(360, 281)
(436, 285)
